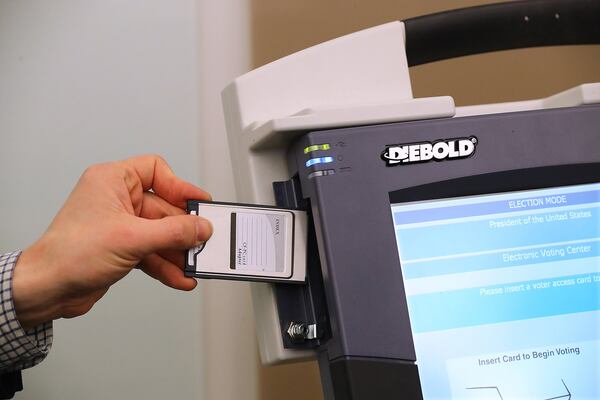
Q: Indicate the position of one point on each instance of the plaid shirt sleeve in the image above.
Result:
(19, 349)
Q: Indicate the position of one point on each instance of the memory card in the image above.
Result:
(249, 242)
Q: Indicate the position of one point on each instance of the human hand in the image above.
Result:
(120, 215)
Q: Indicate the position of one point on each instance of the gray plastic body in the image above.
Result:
(351, 206)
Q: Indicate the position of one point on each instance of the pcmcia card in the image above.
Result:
(252, 243)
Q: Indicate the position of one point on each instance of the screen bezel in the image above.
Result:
(500, 182)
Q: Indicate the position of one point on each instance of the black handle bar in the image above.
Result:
(501, 26)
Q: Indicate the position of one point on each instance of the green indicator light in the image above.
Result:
(316, 147)
(311, 148)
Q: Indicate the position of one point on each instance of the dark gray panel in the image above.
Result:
(351, 209)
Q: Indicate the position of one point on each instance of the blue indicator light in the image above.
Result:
(320, 160)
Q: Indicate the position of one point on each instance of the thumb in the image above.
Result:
(174, 232)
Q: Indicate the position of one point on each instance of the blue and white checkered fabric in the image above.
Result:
(19, 349)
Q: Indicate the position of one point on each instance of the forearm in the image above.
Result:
(35, 293)
(19, 348)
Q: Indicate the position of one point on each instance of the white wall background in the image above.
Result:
(88, 81)
(230, 356)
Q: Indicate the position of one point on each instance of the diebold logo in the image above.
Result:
(445, 149)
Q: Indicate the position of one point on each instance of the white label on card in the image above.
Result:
(258, 240)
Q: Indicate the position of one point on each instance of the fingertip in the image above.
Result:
(182, 283)
(199, 193)
(189, 191)
(204, 229)
(202, 194)
(190, 284)
(167, 273)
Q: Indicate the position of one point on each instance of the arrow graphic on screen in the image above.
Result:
(564, 396)
(487, 388)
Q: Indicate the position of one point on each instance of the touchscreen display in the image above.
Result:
(503, 293)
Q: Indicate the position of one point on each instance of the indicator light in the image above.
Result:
(316, 147)
(320, 160)
(324, 172)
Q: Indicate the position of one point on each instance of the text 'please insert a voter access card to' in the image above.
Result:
(252, 243)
